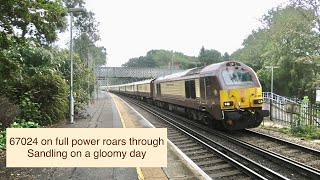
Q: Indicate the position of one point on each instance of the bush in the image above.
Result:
(308, 132)
(8, 112)
(2, 140)
(25, 124)
(50, 92)
(29, 110)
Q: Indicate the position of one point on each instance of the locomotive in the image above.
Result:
(225, 95)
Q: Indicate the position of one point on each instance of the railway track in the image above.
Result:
(299, 153)
(266, 164)
(214, 159)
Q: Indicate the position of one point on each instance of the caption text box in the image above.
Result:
(86, 147)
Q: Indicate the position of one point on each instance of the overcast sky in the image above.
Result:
(131, 28)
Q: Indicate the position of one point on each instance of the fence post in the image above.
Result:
(291, 116)
(310, 113)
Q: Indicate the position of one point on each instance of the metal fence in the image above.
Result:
(291, 112)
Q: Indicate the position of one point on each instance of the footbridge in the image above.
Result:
(125, 72)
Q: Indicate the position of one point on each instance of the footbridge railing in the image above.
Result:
(122, 72)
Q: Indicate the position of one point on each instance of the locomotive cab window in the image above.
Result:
(208, 81)
(190, 89)
(236, 77)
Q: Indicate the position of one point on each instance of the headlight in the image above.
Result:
(257, 101)
(228, 103)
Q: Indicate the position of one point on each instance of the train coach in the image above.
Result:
(226, 95)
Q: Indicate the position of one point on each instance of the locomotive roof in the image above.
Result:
(210, 69)
(214, 67)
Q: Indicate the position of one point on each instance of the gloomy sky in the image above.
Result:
(130, 28)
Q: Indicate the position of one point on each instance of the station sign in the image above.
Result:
(318, 95)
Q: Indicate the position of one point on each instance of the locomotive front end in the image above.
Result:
(241, 97)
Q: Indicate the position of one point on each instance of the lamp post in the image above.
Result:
(271, 95)
(71, 11)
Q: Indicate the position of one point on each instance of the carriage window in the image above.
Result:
(236, 77)
(190, 89)
(158, 89)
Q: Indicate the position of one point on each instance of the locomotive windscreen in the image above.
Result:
(237, 77)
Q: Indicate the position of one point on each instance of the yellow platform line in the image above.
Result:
(138, 169)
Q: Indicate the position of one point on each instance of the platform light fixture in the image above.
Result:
(71, 11)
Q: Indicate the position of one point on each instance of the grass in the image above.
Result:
(306, 132)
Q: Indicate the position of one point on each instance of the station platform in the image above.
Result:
(179, 167)
(110, 111)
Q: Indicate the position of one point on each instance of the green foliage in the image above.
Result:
(37, 19)
(308, 132)
(226, 57)
(301, 131)
(291, 41)
(2, 139)
(285, 130)
(25, 124)
(253, 53)
(87, 50)
(87, 24)
(50, 92)
(163, 59)
(37, 83)
(29, 110)
(207, 57)
(10, 69)
(35, 76)
(142, 61)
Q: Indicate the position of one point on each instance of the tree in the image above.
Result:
(40, 20)
(163, 59)
(207, 57)
(85, 47)
(310, 5)
(255, 46)
(226, 57)
(86, 23)
(142, 61)
(290, 41)
(33, 74)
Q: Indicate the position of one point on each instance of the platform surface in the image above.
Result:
(177, 166)
(110, 111)
(103, 114)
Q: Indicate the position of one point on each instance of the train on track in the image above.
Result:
(225, 95)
